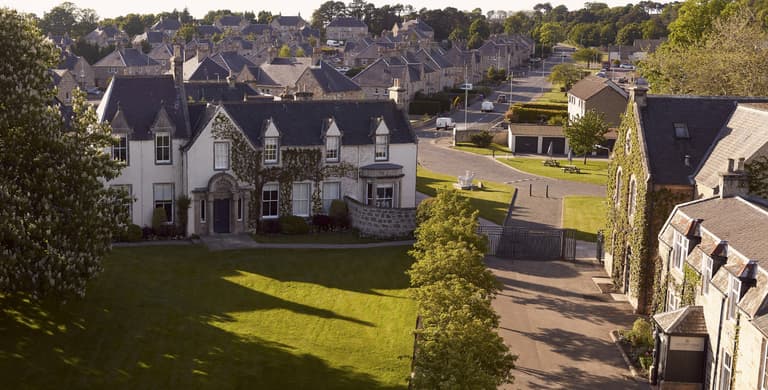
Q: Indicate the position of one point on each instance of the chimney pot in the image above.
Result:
(740, 165)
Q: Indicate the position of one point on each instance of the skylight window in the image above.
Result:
(681, 130)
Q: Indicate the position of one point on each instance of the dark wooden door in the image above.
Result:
(221, 215)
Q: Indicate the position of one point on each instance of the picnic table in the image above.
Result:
(571, 169)
(551, 163)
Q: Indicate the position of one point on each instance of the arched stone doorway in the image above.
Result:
(220, 207)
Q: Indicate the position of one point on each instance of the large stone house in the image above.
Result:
(80, 69)
(169, 151)
(377, 77)
(105, 36)
(124, 62)
(661, 144)
(713, 331)
(414, 29)
(324, 82)
(346, 28)
(599, 94)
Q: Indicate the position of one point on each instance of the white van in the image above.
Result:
(487, 106)
(444, 123)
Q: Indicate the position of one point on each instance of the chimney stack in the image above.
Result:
(734, 182)
(638, 92)
(177, 65)
(231, 80)
(202, 51)
(399, 95)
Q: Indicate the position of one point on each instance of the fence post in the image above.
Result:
(547, 190)
(530, 189)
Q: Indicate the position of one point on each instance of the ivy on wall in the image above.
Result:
(757, 172)
(297, 164)
(691, 284)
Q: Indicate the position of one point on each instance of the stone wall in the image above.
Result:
(379, 222)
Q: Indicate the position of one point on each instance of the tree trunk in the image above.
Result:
(585, 158)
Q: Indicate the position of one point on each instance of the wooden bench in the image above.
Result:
(571, 169)
(551, 163)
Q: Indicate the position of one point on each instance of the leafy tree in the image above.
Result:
(58, 217)
(133, 25)
(588, 55)
(550, 34)
(264, 17)
(453, 259)
(458, 34)
(584, 132)
(565, 74)
(475, 41)
(186, 33)
(730, 60)
(92, 53)
(480, 27)
(607, 34)
(694, 19)
(628, 34)
(518, 23)
(327, 12)
(68, 18)
(299, 52)
(284, 51)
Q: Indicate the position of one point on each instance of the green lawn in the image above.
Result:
(472, 148)
(585, 215)
(492, 201)
(347, 237)
(594, 172)
(553, 96)
(182, 317)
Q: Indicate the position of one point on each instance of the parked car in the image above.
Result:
(627, 66)
(501, 99)
(601, 74)
(486, 106)
(444, 123)
(343, 69)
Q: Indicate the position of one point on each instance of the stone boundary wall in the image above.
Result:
(379, 222)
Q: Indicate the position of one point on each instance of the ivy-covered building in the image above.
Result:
(244, 161)
(662, 142)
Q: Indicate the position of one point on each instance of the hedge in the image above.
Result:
(532, 115)
(546, 106)
(419, 107)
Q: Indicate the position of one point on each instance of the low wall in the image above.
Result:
(499, 136)
(381, 223)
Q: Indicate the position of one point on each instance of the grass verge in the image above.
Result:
(585, 215)
(347, 237)
(553, 96)
(183, 317)
(472, 148)
(593, 172)
(492, 201)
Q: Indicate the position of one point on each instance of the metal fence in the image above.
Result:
(530, 244)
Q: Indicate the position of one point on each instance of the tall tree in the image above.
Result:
(327, 11)
(628, 34)
(58, 217)
(68, 18)
(588, 55)
(565, 74)
(694, 19)
(584, 132)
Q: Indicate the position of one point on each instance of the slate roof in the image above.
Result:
(218, 91)
(68, 60)
(140, 99)
(256, 29)
(302, 122)
(110, 31)
(704, 117)
(166, 24)
(330, 79)
(377, 74)
(162, 52)
(231, 60)
(229, 20)
(416, 24)
(292, 21)
(745, 134)
(150, 36)
(308, 32)
(346, 22)
(126, 58)
(208, 70)
(207, 30)
(688, 320)
(283, 71)
(592, 85)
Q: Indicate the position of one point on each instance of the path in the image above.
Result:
(220, 242)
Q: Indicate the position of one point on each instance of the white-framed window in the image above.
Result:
(725, 371)
(617, 188)
(270, 150)
(220, 156)
(679, 250)
(381, 195)
(763, 379)
(269, 201)
(331, 191)
(734, 292)
(120, 148)
(706, 273)
(301, 198)
(202, 210)
(129, 202)
(239, 209)
(162, 148)
(332, 148)
(631, 198)
(382, 148)
(163, 197)
(673, 301)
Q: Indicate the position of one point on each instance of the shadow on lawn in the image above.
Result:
(141, 326)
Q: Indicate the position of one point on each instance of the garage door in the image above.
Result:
(526, 144)
(558, 145)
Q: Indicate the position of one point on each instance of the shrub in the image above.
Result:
(132, 233)
(482, 139)
(291, 224)
(338, 208)
(424, 210)
(641, 334)
(167, 230)
(419, 107)
(270, 226)
(147, 232)
(556, 121)
(158, 218)
(321, 222)
(522, 114)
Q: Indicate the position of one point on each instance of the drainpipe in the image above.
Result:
(654, 376)
(717, 348)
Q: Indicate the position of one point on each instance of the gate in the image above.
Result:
(530, 244)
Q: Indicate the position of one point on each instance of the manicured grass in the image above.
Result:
(553, 96)
(348, 237)
(594, 172)
(585, 215)
(183, 317)
(492, 201)
(467, 147)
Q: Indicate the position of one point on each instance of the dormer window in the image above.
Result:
(270, 150)
(162, 148)
(382, 147)
(681, 131)
(679, 250)
(332, 148)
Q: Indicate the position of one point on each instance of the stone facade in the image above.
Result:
(381, 222)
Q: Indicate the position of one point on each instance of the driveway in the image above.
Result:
(557, 321)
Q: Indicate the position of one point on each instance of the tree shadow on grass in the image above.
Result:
(143, 326)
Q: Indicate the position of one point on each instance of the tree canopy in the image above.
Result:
(566, 74)
(58, 217)
(584, 132)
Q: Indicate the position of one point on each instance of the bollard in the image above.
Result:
(493, 154)
(547, 194)
(530, 189)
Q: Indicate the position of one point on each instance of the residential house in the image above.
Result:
(661, 143)
(63, 42)
(414, 29)
(153, 38)
(80, 69)
(261, 34)
(713, 327)
(277, 77)
(599, 94)
(162, 54)
(346, 28)
(324, 82)
(167, 26)
(207, 31)
(231, 23)
(286, 27)
(375, 78)
(169, 150)
(365, 51)
(105, 36)
(124, 62)
(65, 84)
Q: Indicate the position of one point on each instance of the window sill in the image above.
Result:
(163, 163)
